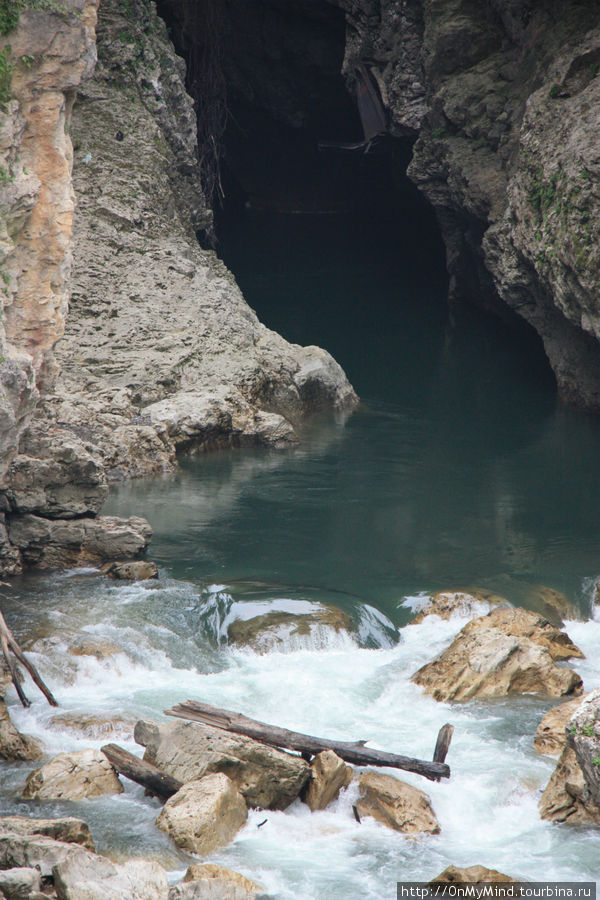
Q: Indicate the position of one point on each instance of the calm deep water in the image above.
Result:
(459, 469)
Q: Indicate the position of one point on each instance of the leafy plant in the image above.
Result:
(587, 730)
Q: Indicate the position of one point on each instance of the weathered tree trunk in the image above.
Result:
(353, 752)
(442, 745)
(141, 772)
(8, 642)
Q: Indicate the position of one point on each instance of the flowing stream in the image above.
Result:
(459, 469)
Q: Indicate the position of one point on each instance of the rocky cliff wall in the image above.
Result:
(503, 97)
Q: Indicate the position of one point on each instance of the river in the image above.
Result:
(459, 469)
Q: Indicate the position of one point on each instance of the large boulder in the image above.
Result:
(36, 852)
(470, 875)
(19, 884)
(13, 744)
(508, 651)
(566, 798)
(583, 735)
(204, 815)
(134, 570)
(210, 882)
(266, 777)
(328, 775)
(90, 877)
(550, 733)
(396, 804)
(76, 775)
(68, 830)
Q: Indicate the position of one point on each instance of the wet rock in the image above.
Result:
(566, 798)
(18, 884)
(445, 604)
(266, 777)
(507, 651)
(76, 775)
(583, 735)
(550, 603)
(61, 543)
(204, 814)
(550, 733)
(211, 882)
(328, 775)
(13, 744)
(470, 875)
(396, 804)
(134, 570)
(68, 830)
(277, 629)
(95, 728)
(88, 645)
(85, 876)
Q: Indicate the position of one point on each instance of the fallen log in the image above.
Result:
(8, 642)
(141, 772)
(351, 751)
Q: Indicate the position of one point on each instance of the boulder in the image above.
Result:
(210, 882)
(68, 830)
(445, 604)
(507, 651)
(396, 804)
(76, 775)
(565, 798)
(204, 814)
(550, 733)
(85, 876)
(470, 875)
(13, 744)
(266, 777)
(276, 629)
(36, 852)
(18, 884)
(328, 775)
(550, 603)
(133, 570)
(583, 735)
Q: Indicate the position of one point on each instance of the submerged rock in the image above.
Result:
(278, 629)
(68, 830)
(93, 727)
(266, 777)
(133, 570)
(550, 733)
(204, 815)
(76, 775)
(328, 775)
(445, 604)
(470, 875)
(396, 804)
(507, 651)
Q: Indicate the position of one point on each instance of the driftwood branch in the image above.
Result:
(141, 772)
(8, 642)
(353, 752)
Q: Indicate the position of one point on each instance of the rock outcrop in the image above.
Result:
(328, 775)
(210, 882)
(396, 804)
(566, 798)
(507, 651)
(583, 735)
(73, 776)
(68, 830)
(550, 733)
(470, 875)
(204, 815)
(267, 778)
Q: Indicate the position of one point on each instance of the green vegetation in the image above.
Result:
(6, 68)
(596, 761)
(587, 730)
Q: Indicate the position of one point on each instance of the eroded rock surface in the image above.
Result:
(328, 775)
(550, 734)
(583, 735)
(266, 777)
(68, 830)
(565, 798)
(205, 814)
(507, 651)
(76, 775)
(396, 804)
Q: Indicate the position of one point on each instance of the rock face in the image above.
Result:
(507, 651)
(328, 775)
(396, 804)
(204, 815)
(566, 798)
(583, 735)
(73, 776)
(267, 778)
(550, 733)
